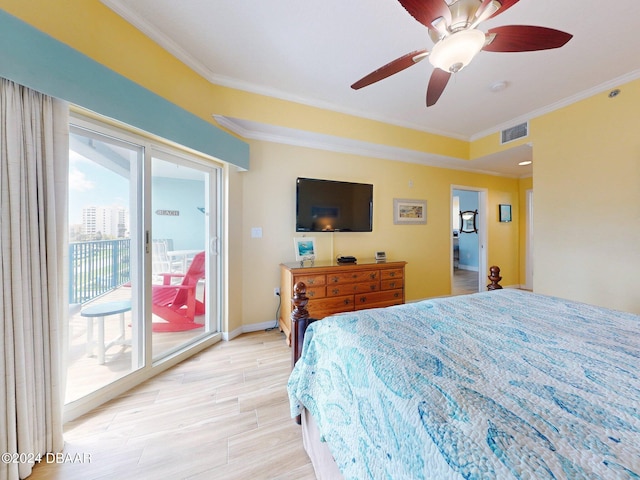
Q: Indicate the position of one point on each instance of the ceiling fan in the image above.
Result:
(452, 26)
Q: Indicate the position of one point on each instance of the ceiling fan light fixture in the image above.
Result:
(455, 51)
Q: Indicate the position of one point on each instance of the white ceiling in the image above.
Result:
(311, 52)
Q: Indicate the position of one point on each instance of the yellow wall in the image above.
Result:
(587, 200)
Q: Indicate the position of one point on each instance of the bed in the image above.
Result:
(496, 385)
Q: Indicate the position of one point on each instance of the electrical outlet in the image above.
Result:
(276, 292)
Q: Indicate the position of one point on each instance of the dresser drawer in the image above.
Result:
(319, 308)
(391, 273)
(310, 280)
(350, 288)
(353, 277)
(392, 284)
(376, 299)
(316, 292)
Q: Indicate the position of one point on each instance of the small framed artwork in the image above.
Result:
(305, 248)
(409, 212)
(505, 213)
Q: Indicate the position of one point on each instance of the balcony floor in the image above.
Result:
(85, 374)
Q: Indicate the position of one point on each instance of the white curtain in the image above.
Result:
(33, 217)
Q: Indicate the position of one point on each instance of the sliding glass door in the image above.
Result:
(144, 256)
(185, 266)
(105, 261)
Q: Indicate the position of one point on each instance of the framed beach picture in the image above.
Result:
(305, 248)
(409, 212)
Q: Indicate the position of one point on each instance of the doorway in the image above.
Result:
(468, 250)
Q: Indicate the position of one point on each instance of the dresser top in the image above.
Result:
(367, 262)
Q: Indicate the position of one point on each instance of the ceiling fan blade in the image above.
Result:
(426, 11)
(525, 38)
(437, 82)
(390, 68)
(505, 5)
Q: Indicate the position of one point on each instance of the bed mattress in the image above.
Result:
(503, 384)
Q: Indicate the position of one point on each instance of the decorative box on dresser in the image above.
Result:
(335, 288)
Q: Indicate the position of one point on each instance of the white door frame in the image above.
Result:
(529, 241)
(483, 238)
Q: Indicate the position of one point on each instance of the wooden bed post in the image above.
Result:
(494, 276)
(299, 320)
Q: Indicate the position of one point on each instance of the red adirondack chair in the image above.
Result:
(177, 304)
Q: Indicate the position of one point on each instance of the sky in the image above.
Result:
(93, 185)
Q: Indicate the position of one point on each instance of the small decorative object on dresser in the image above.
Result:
(335, 288)
(305, 248)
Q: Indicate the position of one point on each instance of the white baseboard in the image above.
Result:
(253, 327)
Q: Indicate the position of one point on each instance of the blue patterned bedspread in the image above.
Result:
(495, 385)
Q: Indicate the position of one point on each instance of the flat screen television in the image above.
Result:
(332, 206)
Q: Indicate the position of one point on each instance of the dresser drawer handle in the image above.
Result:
(373, 275)
(311, 281)
(392, 274)
(335, 279)
(335, 291)
(347, 301)
(355, 275)
(311, 293)
(396, 295)
(392, 284)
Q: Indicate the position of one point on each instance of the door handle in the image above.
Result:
(213, 246)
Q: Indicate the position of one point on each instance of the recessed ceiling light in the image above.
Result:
(498, 86)
(526, 162)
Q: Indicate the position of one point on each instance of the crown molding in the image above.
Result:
(290, 136)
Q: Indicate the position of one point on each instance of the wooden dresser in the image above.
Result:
(334, 288)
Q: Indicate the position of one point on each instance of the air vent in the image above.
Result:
(514, 133)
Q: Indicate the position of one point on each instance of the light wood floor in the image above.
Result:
(464, 282)
(222, 414)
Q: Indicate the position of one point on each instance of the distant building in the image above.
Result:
(100, 223)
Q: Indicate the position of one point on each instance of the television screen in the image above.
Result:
(331, 206)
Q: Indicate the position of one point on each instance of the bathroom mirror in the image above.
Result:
(468, 221)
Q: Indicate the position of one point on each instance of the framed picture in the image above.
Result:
(505, 213)
(409, 212)
(305, 248)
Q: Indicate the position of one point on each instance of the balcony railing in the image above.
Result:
(98, 267)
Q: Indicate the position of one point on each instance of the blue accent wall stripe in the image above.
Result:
(36, 60)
